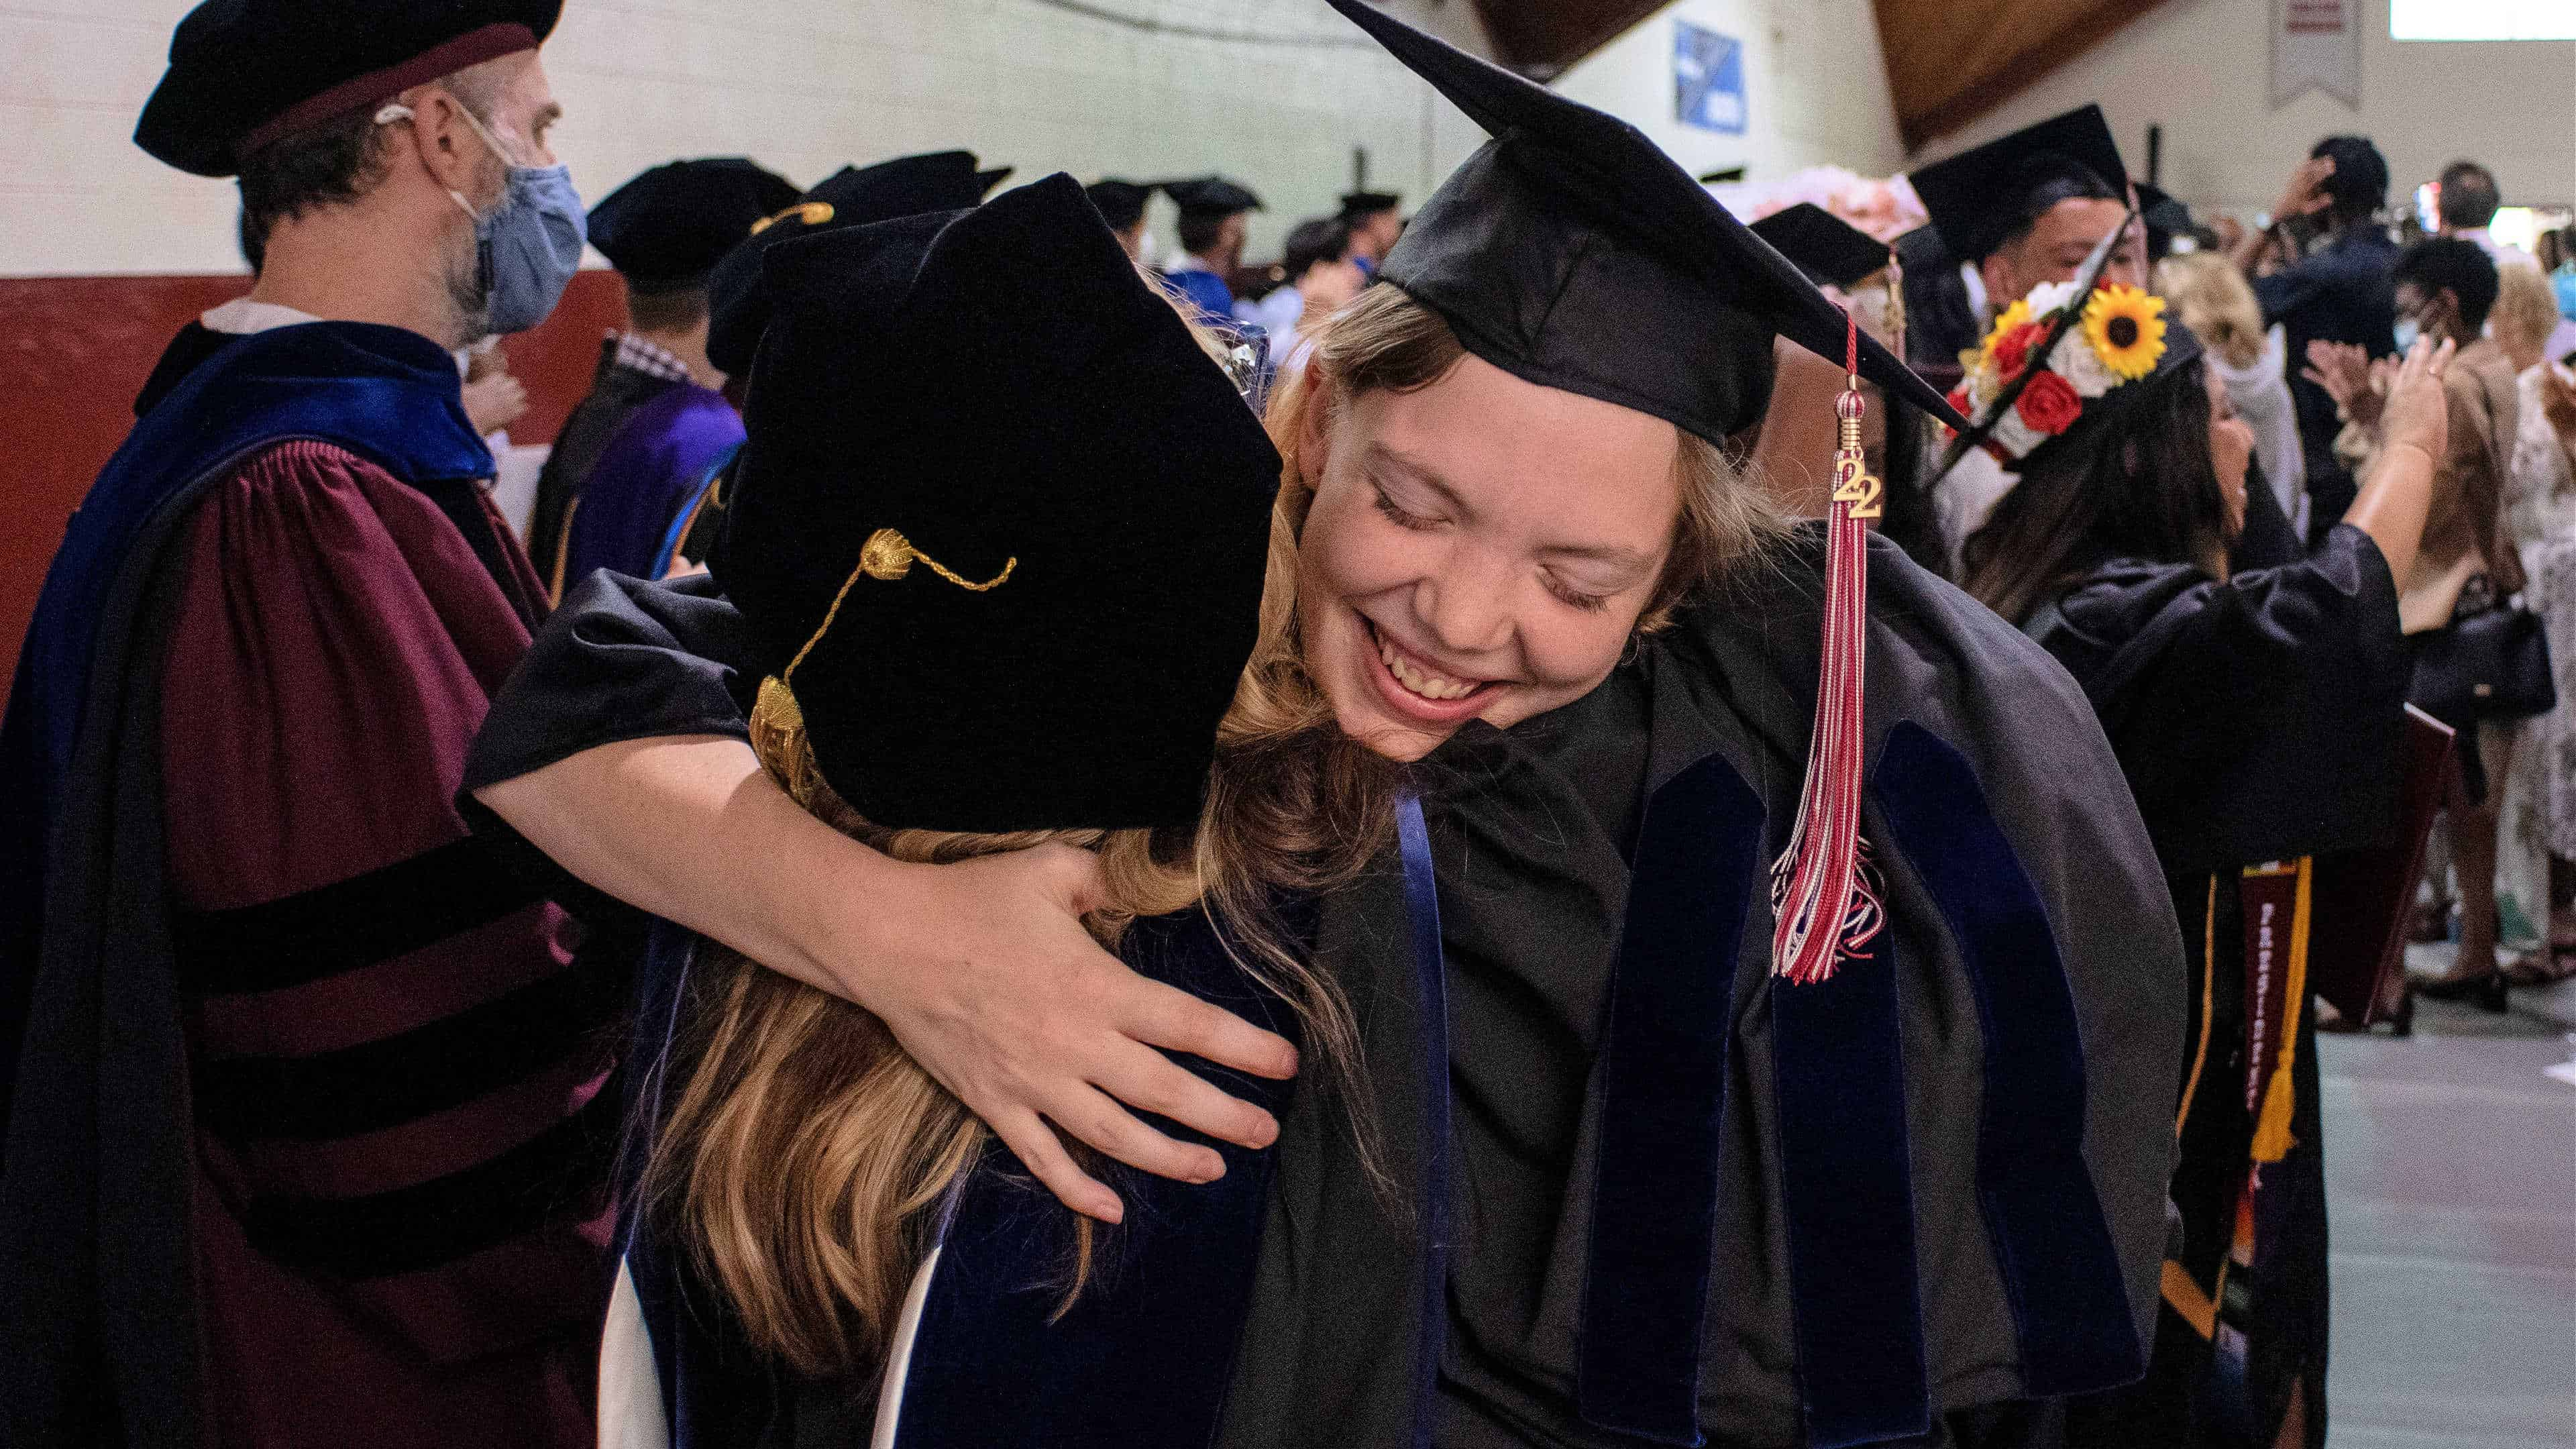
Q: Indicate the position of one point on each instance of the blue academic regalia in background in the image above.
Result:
(1202, 289)
(649, 483)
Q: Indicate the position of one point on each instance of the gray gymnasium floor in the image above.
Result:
(2451, 1164)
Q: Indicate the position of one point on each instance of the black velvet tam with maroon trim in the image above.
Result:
(244, 73)
(669, 226)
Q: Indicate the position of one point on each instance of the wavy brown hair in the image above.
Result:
(803, 1147)
(804, 1150)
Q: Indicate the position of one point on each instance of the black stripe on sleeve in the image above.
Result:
(385, 1083)
(446, 1218)
(387, 912)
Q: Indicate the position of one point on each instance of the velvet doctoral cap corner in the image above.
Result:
(1001, 524)
(738, 309)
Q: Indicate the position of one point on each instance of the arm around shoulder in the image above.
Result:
(620, 749)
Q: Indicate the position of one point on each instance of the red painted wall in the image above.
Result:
(75, 350)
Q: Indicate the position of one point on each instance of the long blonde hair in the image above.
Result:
(2216, 304)
(804, 1148)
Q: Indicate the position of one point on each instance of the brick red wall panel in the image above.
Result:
(74, 351)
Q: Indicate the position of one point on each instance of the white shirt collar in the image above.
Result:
(1977, 298)
(242, 317)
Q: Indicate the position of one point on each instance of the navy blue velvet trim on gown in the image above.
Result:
(1847, 1193)
(1654, 1197)
(1145, 1354)
(1431, 982)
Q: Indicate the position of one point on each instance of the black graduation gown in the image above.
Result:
(2259, 721)
(616, 391)
(1586, 1184)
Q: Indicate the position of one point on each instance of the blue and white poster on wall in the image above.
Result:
(1708, 79)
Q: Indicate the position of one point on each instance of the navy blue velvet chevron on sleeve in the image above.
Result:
(2044, 1219)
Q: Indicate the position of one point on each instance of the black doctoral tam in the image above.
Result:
(1001, 525)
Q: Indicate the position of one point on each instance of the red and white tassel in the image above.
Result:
(1822, 891)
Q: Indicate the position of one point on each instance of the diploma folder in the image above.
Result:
(2365, 898)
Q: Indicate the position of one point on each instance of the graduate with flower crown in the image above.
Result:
(2021, 210)
(2257, 714)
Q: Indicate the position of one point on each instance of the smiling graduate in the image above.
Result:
(1771, 1003)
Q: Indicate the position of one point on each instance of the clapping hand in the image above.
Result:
(2417, 412)
(2558, 402)
(2344, 371)
(494, 402)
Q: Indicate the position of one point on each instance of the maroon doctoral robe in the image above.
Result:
(400, 1124)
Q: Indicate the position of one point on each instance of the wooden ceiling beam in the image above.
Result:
(1950, 62)
(1540, 38)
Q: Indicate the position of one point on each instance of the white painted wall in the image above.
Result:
(1816, 92)
(804, 86)
(2203, 69)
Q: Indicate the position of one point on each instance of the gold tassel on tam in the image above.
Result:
(778, 738)
(777, 720)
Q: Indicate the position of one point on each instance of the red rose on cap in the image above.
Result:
(2012, 349)
(2049, 404)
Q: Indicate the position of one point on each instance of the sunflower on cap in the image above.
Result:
(2053, 356)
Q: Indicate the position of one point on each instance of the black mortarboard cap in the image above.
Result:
(1570, 251)
(2166, 218)
(1002, 390)
(1120, 203)
(1831, 251)
(244, 73)
(1357, 204)
(667, 228)
(1979, 197)
(851, 196)
(1211, 195)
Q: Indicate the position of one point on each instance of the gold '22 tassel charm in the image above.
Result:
(1854, 484)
